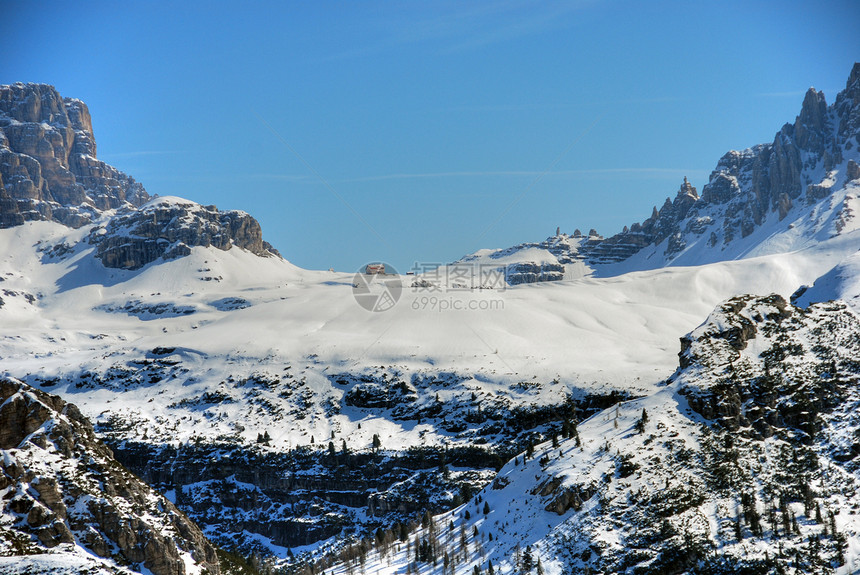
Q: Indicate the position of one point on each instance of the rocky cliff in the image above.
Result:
(48, 164)
(746, 188)
(49, 171)
(168, 228)
(801, 366)
(62, 490)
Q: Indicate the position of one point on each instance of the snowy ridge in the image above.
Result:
(772, 198)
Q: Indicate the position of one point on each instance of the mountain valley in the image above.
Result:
(678, 397)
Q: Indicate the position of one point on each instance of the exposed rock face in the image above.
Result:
(663, 224)
(302, 497)
(847, 107)
(60, 485)
(747, 185)
(803, 364)
(852, 171)
(168, 228)
(48, 164)
(49, 171)
(530, 272)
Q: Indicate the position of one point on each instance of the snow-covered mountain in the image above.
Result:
(780, 197)
(273, 407)
(49, 172)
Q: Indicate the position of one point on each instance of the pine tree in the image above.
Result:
(486, 508)
(640, 424)
(527, 559)
(376, 442)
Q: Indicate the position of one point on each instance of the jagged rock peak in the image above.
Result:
(687, 189)
(61, 486)
(48, 164)
(746, 186)
(748, 189)
(813, 112)
(853, 82)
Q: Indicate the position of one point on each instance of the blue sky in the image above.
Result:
(406, 131)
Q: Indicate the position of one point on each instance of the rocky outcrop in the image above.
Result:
(852, 171)
(168, 228)
(847, 110)
(48, 164)
(802, 364)
(60, 485)
(531, 272)
(663, 224)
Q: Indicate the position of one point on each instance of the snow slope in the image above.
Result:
(229, 315)
(663, 484)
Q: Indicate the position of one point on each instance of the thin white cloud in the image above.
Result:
(456, 26)
(526, 173)
(279, 177)
(792, 94)
(141, 153)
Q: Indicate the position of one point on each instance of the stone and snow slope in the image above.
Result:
(67, 502)
(183, 364)
(744, 461)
